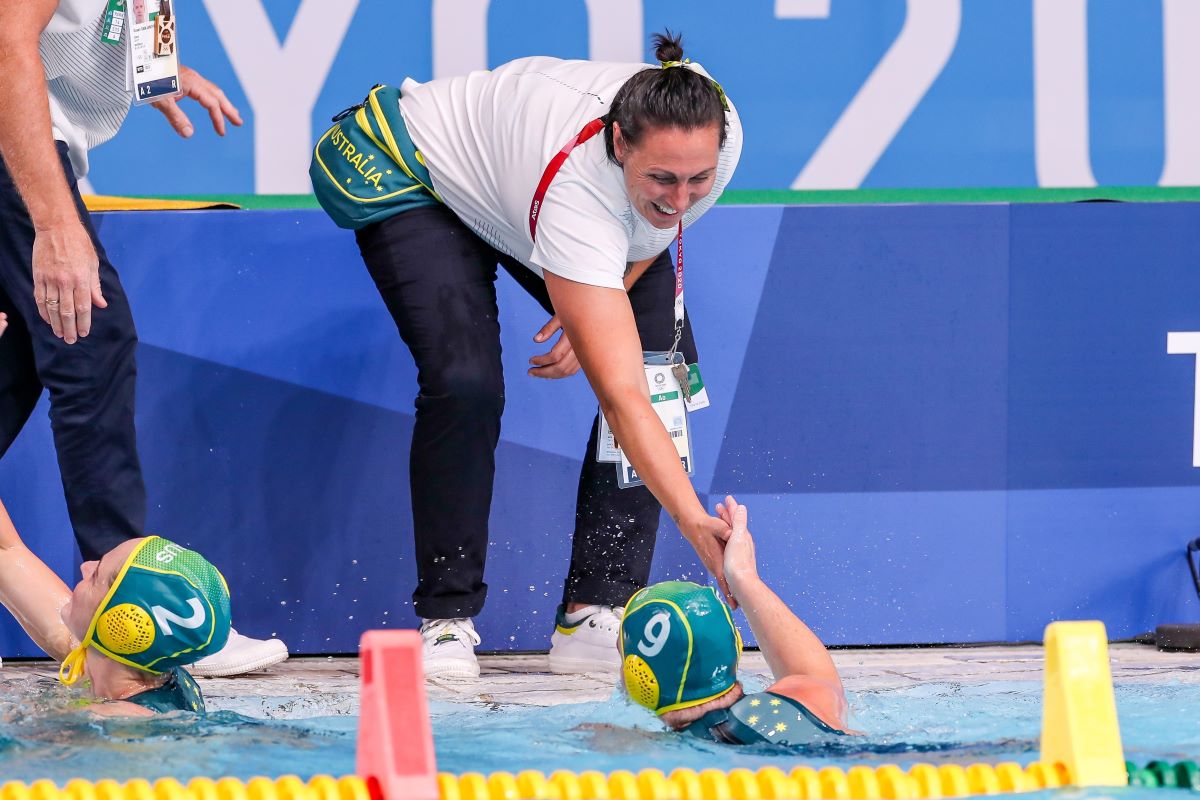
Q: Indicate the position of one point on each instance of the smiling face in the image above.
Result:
(668, 171)
(98, 577)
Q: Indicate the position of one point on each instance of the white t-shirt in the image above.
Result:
(487, 137)
(85, 77)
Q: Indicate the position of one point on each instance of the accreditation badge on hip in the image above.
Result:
(667, 400)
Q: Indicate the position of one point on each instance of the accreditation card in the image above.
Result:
(666, 398)
(153, 62)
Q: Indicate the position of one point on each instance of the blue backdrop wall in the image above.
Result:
(833, 93)
(950, 423)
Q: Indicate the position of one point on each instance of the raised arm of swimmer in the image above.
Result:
(31, 591)
(799, 662)
(600, 325)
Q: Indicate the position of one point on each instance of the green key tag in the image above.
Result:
(696, 397)
(114, 22)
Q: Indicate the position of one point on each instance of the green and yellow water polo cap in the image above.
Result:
(679, 646)
(168, 606)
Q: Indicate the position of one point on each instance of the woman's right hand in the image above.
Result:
(708, 535)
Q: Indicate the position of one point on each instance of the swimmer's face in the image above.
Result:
(98, 577)
(669, 170)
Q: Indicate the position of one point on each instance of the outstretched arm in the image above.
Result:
(798, 660)
(601, 327)
(32, 592)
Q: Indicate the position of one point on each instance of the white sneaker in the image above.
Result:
(586, 641)
(449, 648)
(240, 654)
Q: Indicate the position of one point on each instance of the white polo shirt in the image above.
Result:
(85, 77)
(487, 137)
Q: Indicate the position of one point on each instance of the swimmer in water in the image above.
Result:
(679, 651)
(140, 613)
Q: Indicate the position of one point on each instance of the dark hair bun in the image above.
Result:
(668, 47)
(665, 98)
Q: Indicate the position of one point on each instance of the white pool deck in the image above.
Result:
(328, 686)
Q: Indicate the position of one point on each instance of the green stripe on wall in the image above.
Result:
(1129, 194)
(776, 197)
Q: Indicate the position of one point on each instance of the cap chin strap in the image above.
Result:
(71, 668)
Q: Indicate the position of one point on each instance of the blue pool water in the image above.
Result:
(47, 736)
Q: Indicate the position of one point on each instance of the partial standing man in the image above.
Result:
(575, 176)
(62, 92)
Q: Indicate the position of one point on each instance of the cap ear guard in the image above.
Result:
(125, 629)
(640, 682)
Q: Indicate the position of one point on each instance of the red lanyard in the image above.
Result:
(589, 130)
(535, 207)
(678, 292)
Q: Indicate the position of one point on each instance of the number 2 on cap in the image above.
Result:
(656, 633)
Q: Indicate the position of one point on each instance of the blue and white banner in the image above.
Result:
(833, 93)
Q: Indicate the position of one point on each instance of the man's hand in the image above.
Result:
(740, 563)
(3, 322)
(708, 536)
(192, 84)
(559, 361)
(66, 279)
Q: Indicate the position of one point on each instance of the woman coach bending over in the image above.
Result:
(575, 176)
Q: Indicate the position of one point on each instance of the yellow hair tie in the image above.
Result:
(71, 668)
(717, 86)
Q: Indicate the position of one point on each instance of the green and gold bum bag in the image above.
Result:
(366, 167)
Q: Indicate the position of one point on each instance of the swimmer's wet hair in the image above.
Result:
(662, 97)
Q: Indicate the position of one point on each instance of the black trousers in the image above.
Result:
(91, 384)
(437, 279)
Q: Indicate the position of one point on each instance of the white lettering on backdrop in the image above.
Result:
(1062, 153)
(1062, 147)
(1188, 344)
(885, 102)
(459, 36)
(1181, 93)
(282, 82)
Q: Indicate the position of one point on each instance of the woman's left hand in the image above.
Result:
(741, 565)
(559, 361)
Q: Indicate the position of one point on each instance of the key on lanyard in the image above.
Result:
(680, 371)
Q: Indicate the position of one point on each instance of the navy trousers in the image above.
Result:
(91, 384)
(437, 279)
